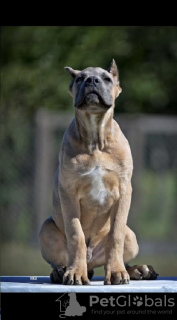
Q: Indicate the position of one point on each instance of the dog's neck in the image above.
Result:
(94, 129)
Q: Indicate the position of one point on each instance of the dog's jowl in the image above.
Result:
(92, 189)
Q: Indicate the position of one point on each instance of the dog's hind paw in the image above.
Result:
(90, 274)
(142, 272)
(56, 275)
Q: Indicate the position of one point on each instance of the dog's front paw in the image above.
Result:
(118, 277)
(75, 276)
(142, 272)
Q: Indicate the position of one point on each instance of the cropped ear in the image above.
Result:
(113, 70)
(72, 72)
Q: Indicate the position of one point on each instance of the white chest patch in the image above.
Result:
(98, 190)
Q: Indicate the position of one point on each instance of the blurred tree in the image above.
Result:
(33, 60)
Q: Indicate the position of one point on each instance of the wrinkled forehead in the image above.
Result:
(94, 71)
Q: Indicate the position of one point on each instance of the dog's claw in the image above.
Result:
(86, 283)
(125, 281)
(117, 282)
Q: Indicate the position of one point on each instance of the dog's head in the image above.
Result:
(94, 89)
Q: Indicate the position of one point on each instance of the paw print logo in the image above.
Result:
(138, 301)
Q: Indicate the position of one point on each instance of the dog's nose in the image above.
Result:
(92, 81)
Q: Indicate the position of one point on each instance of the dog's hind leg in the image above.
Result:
(131, 247)
(53, 249)
(136, 272)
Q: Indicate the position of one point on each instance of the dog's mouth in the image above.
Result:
(92, 98)
(92, 92)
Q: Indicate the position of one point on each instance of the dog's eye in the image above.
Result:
(79, 79)
(108, 79)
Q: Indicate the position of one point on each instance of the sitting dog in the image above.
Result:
(92, 190)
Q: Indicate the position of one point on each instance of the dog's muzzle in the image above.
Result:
(93, 92)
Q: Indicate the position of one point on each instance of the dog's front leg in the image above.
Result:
(115, 272)
(76, 272)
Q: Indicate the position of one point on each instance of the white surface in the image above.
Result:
(96, 286)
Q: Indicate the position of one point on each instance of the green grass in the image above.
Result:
(21, 260)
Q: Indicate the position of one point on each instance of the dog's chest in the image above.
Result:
(101, 185)
(98, 190)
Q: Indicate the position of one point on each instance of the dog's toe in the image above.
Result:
(153, 273)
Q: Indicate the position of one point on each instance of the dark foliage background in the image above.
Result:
(33, 60)
(33, 77)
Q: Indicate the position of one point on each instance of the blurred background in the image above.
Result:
(36, 109)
